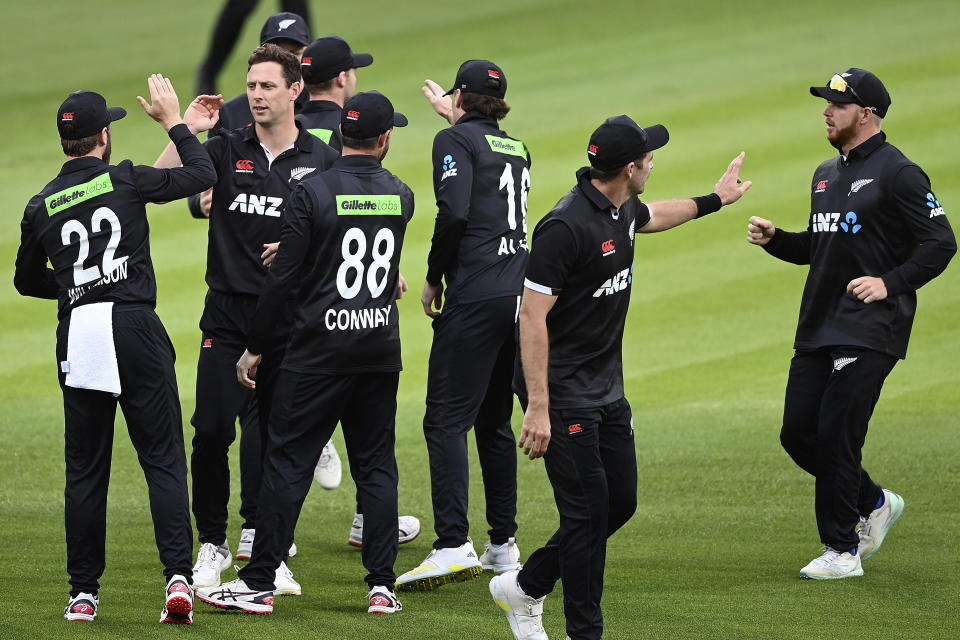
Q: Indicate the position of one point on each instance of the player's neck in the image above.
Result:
(279, 136)
(328, 96)
(617, 191)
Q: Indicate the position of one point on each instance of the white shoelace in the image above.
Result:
(207, 555)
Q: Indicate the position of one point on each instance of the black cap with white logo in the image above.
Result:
(85, 113)
(619, 141)
(858, 86)
(480, 76)
(285, 26)
(368, 114)
(326, 57)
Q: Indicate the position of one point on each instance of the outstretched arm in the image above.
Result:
(442, 104)
(667, 214)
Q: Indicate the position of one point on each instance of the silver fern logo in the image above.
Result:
(859, 184)
(300, 172)
(840, 363)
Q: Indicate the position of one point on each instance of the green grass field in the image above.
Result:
(725, 518)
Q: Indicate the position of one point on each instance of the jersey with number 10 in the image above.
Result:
(481, 178)
(341, 239)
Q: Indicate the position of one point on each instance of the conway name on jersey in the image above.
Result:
(341, 240)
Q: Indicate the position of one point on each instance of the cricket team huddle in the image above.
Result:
(300, 327)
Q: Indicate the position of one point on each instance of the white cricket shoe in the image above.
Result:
(178, 609)
(82, 607)
(328, 472)
(833, 565)
(501, 558)
(237, 595)
(245, 548)
(211, 560)
(525, 614)
(451, 564)
(383, 600)
(283, 582)
(874, 528)
(408, 528)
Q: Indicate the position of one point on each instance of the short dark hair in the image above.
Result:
(270, 52)
(81, 147)
(496, 108)
(364, 144)
(606, 175)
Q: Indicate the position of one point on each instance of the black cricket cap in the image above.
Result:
(619, 141)
(326, 57)
(472, 77)
(85, 113)
(858, 86)
(285, 26)
(368, 114)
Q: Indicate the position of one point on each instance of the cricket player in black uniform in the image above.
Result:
(877, 233)
(575, 300)
(329, 70)
(257, 168)
(90, 222)
(481, 177)
(341, 240)
(291, 33)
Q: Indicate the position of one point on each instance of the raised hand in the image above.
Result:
(203, 113)
(164, 106)
(441, 104)
(730, 187)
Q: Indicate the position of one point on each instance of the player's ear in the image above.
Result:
(295, 88)
(342, 79)
(458, 99)
(103, 137)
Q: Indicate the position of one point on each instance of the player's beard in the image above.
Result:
(107, 149)
(841, 137)
(384, 154)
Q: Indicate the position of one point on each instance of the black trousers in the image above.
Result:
(592, 465)
(469, 386)
(831, 394)
(306, 409)
(151, 408)
(220, 400)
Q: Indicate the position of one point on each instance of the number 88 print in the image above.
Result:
(381, 251)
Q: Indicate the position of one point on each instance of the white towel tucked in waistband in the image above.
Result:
(91, 355)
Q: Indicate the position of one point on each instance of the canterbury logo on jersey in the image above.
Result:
(260, 205)
(616, 284)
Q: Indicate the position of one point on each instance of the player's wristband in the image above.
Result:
(707, 204)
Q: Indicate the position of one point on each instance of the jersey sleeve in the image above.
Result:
(453, 185)
(927, 223)
(552, 257)
(282, 277)
(32, 276)
(196, 174)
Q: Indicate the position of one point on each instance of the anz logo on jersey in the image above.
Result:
(832, 222)
(449, 168)
(259, 205)
(619, 282)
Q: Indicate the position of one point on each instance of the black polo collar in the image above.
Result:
(600, 201)
(79, 164)
(867, 147)
(303, 142)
